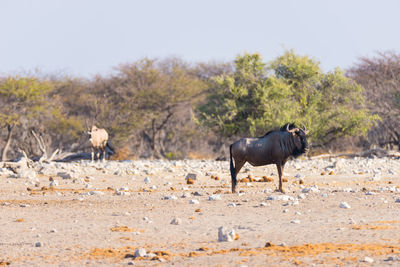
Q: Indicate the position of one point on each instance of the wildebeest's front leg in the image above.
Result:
(280, 172)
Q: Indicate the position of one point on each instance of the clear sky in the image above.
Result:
(87, 37)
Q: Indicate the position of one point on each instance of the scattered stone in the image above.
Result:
(263, 204)
(38, 244)
(190, 181)
(344, 205)
(352, 221)
(176, 221)
(214, 197)
(370, 193)
(295, 221)
(397, 200)
(280, 197)
(231, 205)
(141, 252)
(194, 201)
(301, 196)
(99, 193)
(185, 195)
(311, 189)
(192, 176)
(226, 235)
(172, 197)
(146, 219)
(64, 175)
(368, 259)
(147, 180)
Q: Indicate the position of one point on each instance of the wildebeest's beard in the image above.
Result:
(301, 144)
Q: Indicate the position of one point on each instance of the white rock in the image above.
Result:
(280, 197)
(368, 259)
(344, 205)
(194, 201)
(214, 197)
(231, 205)
(176, 221)
(225, 234)
(141, 252)
(172, 197)
(125, 188)
(147, 180)
(311, 189)
(146, 219)
(295, 221)
(263, 204)
(370, 193)
(53, 183)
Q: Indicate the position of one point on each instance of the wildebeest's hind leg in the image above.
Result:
(235, 169)
(280, 172)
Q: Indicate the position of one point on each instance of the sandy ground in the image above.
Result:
(83, 220)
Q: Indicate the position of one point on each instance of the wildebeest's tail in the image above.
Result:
(110, 147)
(233, 172)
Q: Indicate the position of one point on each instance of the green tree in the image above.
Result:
(292, 88)
(23, 99)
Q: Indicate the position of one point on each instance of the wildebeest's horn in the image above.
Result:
(305, 129)
(291, 131)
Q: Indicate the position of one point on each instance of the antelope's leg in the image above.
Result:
(92, 154)
(104, 155)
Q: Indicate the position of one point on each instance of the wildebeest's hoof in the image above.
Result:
(280, 190)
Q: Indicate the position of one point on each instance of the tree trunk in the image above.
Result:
(10, 128)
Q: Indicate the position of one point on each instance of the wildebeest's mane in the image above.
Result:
(282, 129)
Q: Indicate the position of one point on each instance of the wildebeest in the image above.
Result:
(99, 141)
(275, 147)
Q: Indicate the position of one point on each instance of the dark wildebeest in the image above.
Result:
(275, 147)
(99, 141)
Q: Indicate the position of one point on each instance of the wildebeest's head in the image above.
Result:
(299, 138)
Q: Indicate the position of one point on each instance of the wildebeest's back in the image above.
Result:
(259, 151)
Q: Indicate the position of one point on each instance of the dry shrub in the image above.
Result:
(198, 155)
(122, 154)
